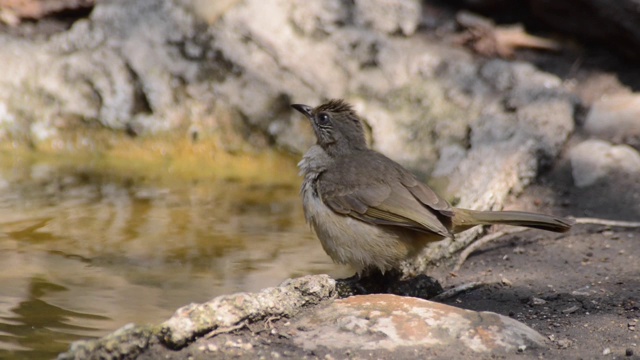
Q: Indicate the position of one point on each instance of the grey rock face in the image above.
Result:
(154, 66)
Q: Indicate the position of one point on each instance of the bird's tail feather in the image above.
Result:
(464, 219)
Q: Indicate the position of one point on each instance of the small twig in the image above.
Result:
(269, 321)
(481, 242)
(458, 290)
(606, 222)
(225, 330)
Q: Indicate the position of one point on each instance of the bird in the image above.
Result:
(370, 212)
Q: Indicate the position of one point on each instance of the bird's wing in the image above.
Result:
(424, 193)
(384, 204)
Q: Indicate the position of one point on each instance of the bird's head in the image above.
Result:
(337, 127)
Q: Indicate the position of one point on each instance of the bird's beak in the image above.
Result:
(304, 109)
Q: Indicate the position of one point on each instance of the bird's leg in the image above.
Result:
(397, 283)
(374, 281)
(350, 286)
(368, 281)
(420, 286)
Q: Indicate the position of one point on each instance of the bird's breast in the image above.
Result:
(350, 241)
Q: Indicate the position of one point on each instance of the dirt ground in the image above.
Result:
(580, 289)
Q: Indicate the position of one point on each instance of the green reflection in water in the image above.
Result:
(86, 248)
(28, 330)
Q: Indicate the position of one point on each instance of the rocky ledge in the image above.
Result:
(305, 318)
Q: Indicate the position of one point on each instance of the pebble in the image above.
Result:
(606, 351)
(571, 310)
(564, 343)
(537, 301)
(584, 291)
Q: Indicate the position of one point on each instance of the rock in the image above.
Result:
(314, 321)
(564, 343)
(593, 160)
(147, 67)
(505, 148)
(230, 310)
(389, 16)
(537, 301)
(196, 319)
(392, 323)
(450, 157)
(616, 119)
(126, 342)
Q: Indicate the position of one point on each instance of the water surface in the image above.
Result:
(85, 249)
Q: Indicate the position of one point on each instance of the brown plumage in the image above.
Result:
(370, 212)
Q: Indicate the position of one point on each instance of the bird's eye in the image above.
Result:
(323, 119)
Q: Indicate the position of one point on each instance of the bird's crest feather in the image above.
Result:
(336, 105)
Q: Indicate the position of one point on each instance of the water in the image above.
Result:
(86, 249)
